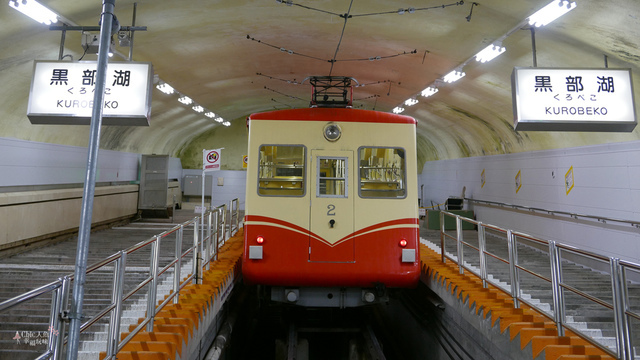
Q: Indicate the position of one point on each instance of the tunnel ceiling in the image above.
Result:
(242, 56)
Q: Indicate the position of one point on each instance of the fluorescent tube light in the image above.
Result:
(398, 110)
(454, 76)
(185, 100)
(489, 53)
(210, 114)
(35, 10)
(429, 91)
(411, 102)
(552, 11)
(165, 88)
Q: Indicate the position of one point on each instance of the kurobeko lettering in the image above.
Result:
(83, 104)
(576, 110)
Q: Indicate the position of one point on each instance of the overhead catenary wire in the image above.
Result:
(399, 11)
(344, 26)
(334, 60)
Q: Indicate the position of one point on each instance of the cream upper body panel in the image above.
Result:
(354, 135)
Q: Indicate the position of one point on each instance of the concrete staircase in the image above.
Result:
(591, 319)
(24, 329)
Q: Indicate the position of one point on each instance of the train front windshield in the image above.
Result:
(281, 170)
(382, 172)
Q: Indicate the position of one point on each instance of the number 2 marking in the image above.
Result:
(331, 211)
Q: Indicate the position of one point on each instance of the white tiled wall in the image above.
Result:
(607, 183)
(234, 184)
(33, 163)
(24, 163)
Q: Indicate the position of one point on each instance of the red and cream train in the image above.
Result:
(331, 212)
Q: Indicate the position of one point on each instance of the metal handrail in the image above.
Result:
(622, 311)
(603, 219)
(60, 289)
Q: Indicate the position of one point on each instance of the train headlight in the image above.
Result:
(403, 243)
(332, 132)
(259, 239)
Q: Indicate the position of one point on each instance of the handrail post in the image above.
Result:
(626, 306)
(442, 237)
(230, 218)
(556, 289)
(512, 269)
(63, 296)
(116, 297)
(459, 249)
(178, 265)
(153, 285)
(216, 232)
(224, 227)
(482, 246)
(196, 265)
(54, 319)
(623, 344)
(237, 215)
(208, 248)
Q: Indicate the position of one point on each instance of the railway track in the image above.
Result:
(285, 332)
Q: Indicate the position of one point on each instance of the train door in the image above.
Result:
(331, 218)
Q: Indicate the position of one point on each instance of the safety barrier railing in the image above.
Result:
(162, 262)
(601, 219)
(492, 254)
(235, 215)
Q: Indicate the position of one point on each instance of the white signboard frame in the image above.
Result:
(558, 99)
(62, 93)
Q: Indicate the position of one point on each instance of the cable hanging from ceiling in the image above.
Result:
(291, 52)
(295, 82)
(283, 94)
(400, 11)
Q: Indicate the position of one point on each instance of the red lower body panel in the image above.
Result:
(371, 256)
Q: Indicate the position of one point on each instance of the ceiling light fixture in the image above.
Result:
(198, 108)
(430, 90)
(219, 119)
(398, 110)
(552, 11)
(454, 76)
(35, 10)
(411, 101)
(490, 52)
(210, 114)
(226, 123)
(165, 88)
(185, 100)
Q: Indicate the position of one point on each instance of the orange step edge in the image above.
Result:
(529, 322)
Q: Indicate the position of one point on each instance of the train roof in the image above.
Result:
(334, 114)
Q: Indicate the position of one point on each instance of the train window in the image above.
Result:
(382, 172)
(281, 170)
(332, 177)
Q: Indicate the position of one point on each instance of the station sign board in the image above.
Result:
(62, 93)
(556, 99)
